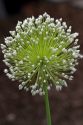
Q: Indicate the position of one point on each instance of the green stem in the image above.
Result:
(47, 105)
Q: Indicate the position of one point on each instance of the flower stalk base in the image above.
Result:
(46, 99)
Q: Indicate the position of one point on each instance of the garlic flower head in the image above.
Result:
(41, 51)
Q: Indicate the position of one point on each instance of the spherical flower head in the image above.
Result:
(40, 52)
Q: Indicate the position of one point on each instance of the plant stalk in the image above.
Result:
(47, 105)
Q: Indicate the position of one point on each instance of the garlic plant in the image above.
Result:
(40, 53)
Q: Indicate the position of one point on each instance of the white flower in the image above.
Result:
(41, 51)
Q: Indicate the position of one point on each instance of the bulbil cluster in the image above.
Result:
(41, 51)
